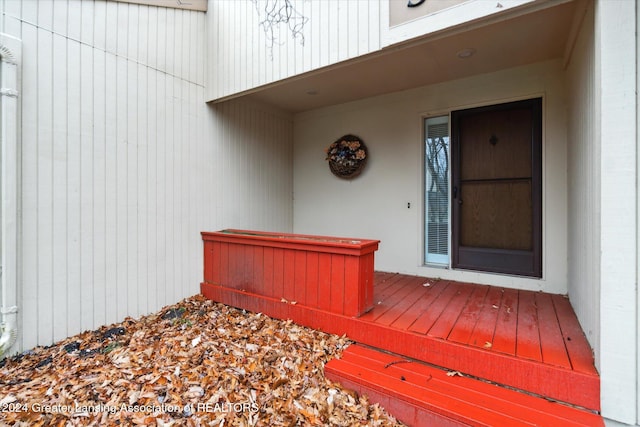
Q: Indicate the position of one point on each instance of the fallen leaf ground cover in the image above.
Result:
(196, 363)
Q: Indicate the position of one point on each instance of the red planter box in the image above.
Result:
(328, 273)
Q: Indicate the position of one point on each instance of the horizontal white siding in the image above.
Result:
(122, 162)
(242, 56)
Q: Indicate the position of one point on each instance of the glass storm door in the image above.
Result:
(497, 188)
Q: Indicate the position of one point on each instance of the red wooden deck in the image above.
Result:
(527, 340)
(423, 395)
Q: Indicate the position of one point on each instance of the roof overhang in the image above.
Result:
(538, 32)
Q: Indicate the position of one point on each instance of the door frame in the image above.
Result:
(521, 263)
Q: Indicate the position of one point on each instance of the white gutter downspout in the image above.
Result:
(10, 48)
(9, 331)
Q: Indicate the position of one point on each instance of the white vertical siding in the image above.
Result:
(616, 31)
(638, 207)
(257, 148)
(122, 162)
(243, 58)
(583, 181)
(10, 56)
(85, 148)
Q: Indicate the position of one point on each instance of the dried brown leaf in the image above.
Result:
(204, 353)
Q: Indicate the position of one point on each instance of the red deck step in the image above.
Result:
(422, 395)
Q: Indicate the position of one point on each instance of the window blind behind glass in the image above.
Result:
(437, 190)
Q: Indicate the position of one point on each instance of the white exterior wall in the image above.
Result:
(617, 136)
(254, 180)
(10, 59)
(638, 212)
(584, 183)
(122, 163)
(374, 205)
(242, 57)
(603, 234)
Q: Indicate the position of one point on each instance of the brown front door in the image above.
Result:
(497, 188)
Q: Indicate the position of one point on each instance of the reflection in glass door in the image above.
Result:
(436, 209)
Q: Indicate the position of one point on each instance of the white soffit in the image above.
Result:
(524, 39)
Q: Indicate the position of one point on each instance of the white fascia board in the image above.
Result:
(199, 5)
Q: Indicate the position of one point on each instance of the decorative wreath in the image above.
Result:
(347, 156)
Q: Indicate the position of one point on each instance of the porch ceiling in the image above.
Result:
(523, 37)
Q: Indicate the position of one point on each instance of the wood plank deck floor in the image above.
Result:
(531, 341)
(529, 325)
